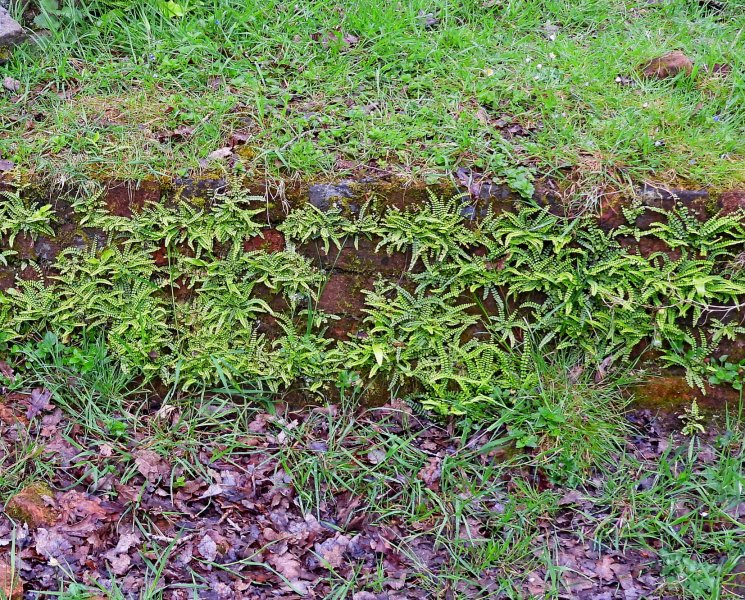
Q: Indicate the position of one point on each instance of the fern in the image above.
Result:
(682, 229)
(18, 216)
(435, 232)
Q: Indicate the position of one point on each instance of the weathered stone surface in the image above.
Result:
(272, 241)
(33, 506)
(653, 194)
(732, 201)
(360, 259)
(667, 65)
(11, 33)
(672, 393)
(322, 195)
(343, 294)
(11, 587)
(122, 197)
(198, 187)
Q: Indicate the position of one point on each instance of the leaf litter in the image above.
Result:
(239, 529)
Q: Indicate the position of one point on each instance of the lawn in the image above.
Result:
(414, 89)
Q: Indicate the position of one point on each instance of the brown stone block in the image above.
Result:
(343, 294)
(122, 197)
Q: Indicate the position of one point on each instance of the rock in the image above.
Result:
(11, 587)
(11, 33)
(32, 505)
(321, 195)
(124, 198)
(668, 65)
(733, 200)
(343, 294)
(271, 241)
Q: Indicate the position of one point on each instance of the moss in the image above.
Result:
(29, 506)
(672, 394)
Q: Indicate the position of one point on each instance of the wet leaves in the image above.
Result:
(240, 528)
(38, 401)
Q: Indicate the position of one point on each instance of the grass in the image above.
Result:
(488, 508)
(317, 90)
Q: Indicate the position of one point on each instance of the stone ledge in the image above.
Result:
(11, 32)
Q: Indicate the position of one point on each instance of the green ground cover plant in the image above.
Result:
(461, 338)
(417, 89)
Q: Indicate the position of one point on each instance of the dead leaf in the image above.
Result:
(52, 545)
(482, 116)
(118, 557)
(575, 373)
(332, 550)
(182, 132)
(207, 548)
(350, 40)
(571, 497)
(150, 464)
(120, 564)
(5, 369)
(428, 20)
(336, 38)
(37, 402)
(431, 472)
(214, 489)
(287, 565)
(376, 456)
(12, 85)
(603, 369)
(603, 568)
(238, 138)
(220, 153)
(11, 586)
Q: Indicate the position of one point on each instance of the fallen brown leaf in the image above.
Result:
(12, 85)
(11, 586)
(38, 401)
